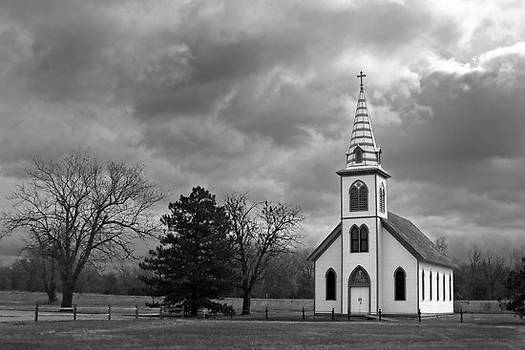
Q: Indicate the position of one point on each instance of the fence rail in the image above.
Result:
(109, 312)
(76, 312)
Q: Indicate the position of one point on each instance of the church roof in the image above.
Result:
(414, 240)
(405, 232)
(362, 136)
(326, 243)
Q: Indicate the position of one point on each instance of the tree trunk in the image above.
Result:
(68, 286)
(49, 279)
(246, 301)
(51, 292)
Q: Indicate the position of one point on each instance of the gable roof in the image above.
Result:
(414, 240)
(326, 243)
(405, 232)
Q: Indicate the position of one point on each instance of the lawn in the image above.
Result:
(284, 330)
(483, 332)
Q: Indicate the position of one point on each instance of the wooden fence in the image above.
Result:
(96, 312)
(283, 310)
(42, 312)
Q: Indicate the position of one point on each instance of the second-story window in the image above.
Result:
(358, 196)
(359, 239)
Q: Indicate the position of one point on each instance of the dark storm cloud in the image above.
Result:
(66, 50)
(464, 160)
(295, 38)
(259, 96)
(475, 134)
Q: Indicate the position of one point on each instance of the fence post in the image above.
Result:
(36, 313)
(303, 313)
(161, 315)
(266, 313)
(461, 314)
(109, 312)
(419, 315)
(333, 314)
(231, 313)
(380, 314)
(75, 312)
(136, 312)
(348, 314)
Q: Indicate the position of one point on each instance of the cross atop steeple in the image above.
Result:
(361, 76)
(363, 150)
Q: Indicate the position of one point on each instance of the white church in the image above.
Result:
(374, 260)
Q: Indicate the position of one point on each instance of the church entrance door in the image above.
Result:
(359, 292)
(359, 302)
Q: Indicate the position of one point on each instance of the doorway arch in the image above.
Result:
(359, 292)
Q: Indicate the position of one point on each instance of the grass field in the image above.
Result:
(504, 332)
(284, 330)
(20, 306)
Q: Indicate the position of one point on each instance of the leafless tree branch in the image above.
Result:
(76, 207)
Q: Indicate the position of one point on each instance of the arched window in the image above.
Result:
(359, 239)
(450, 287)
(423, 285)
(358, 196)
(330, 284)
(359, 278)
(382, 198)
(354, 240)
(363, 239)
(444, 288)
(399, 284)
(358, 152)
(437, 285)
(354, 198)
(430, 285)
(363, 198)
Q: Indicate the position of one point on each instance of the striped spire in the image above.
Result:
(362, 141)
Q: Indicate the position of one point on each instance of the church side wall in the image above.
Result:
(434, 305)
(394, 255)
(331, 258)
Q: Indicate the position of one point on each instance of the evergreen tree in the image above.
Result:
(192, 263)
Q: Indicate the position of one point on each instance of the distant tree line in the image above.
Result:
(481, 276)
(289, 276)
(25, 274)
(484, 275)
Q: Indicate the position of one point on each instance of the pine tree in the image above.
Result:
(192, 263)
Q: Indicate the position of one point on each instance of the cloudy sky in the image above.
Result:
(259, 96)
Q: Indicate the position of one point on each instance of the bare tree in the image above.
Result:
(261, 232)
(494, 273)
(78, 210)
(485, 275)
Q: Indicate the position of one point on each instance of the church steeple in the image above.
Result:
(363, 149)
